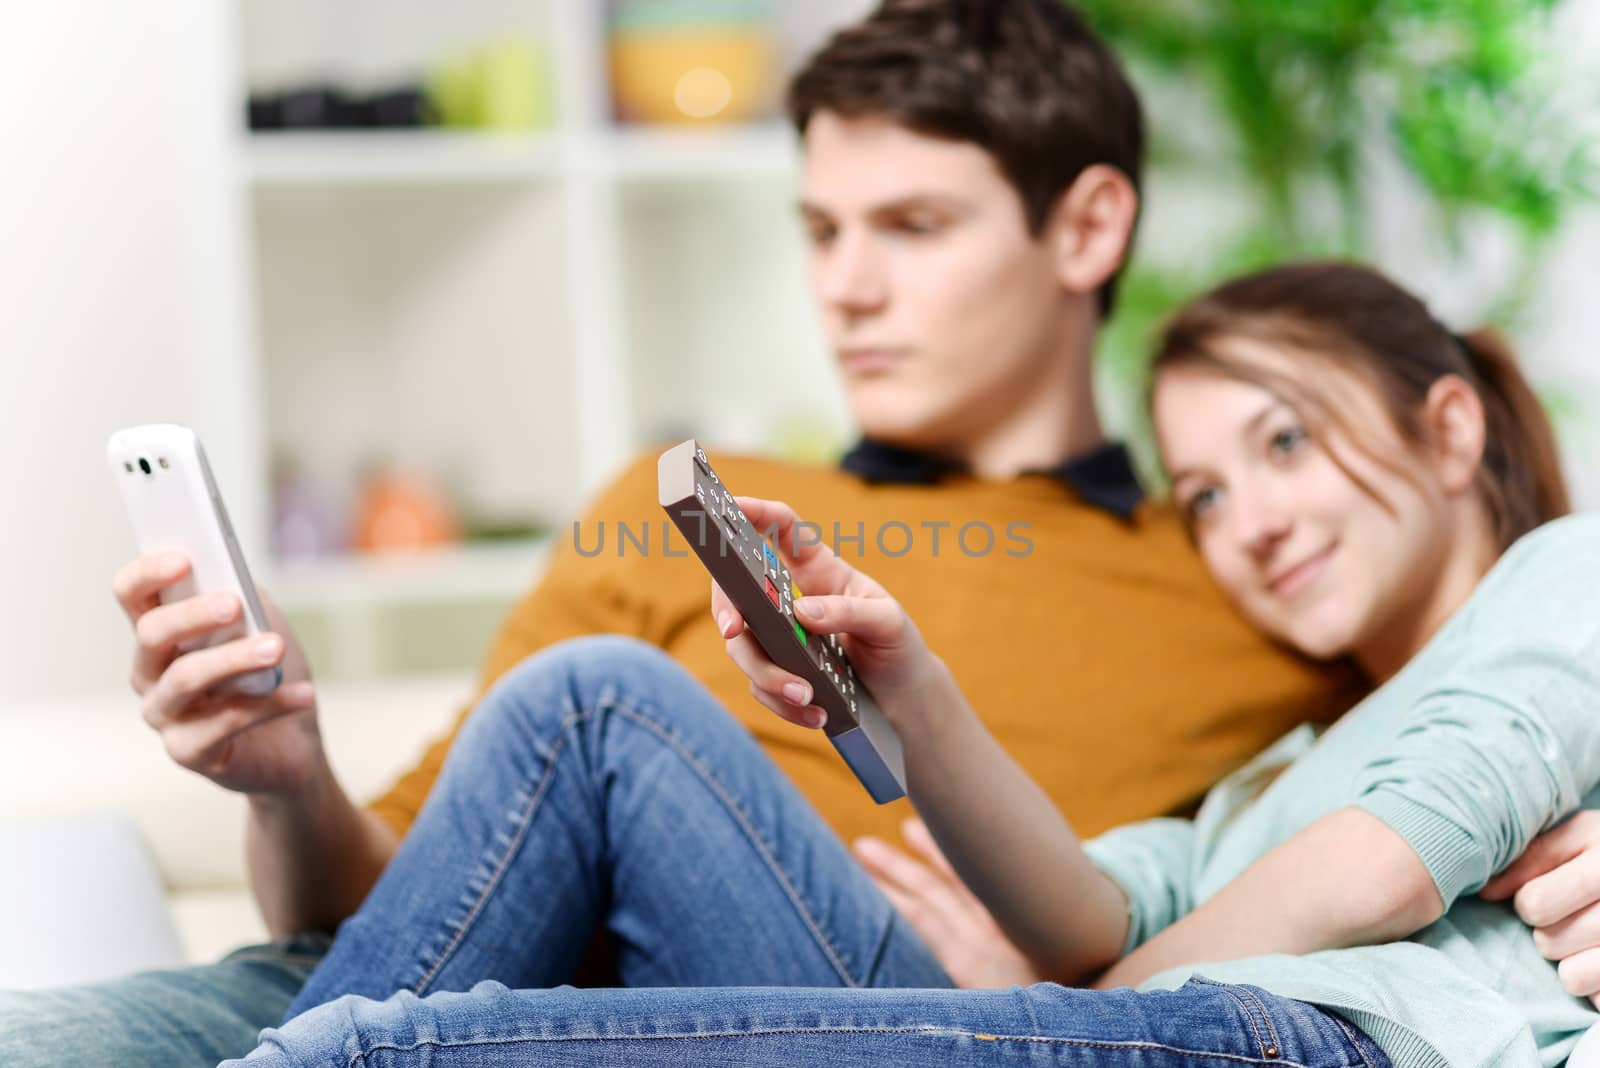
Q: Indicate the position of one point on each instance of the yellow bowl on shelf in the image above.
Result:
(692, 75)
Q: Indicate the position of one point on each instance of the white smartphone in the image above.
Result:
(173, 503)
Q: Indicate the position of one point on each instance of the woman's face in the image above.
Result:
(1307, 554)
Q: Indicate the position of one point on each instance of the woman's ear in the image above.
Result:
(1453, 426)
(1091, 228)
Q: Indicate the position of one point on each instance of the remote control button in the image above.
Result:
(800, 632)
(772, 592)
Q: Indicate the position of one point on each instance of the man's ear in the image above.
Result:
(1091, 227)
(1453, 427)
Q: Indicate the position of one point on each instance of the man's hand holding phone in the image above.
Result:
(255, 745)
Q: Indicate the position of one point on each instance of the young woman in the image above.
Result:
(1355, 476)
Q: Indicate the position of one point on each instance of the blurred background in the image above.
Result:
(423, 276)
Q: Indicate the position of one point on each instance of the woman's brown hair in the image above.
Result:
(1352, 318)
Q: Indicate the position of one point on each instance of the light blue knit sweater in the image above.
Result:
(1488, 737)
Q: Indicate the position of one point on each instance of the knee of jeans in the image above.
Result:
(344, 1031)
(531, 702)
(326, 1035)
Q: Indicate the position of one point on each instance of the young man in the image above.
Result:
(970, 189)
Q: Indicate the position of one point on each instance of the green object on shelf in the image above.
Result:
(806, 439)
(662, 14)
(504, 85)
(503, 531)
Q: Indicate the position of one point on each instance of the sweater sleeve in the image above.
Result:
(1152, 861)
(578, 595)
(1506, 741)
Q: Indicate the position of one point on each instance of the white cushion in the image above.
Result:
(82, 902)
(96, 757)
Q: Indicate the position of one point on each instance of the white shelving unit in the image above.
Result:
(515, 314)
(428, 157)
(399, 158)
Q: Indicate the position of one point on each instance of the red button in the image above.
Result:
(772, 591)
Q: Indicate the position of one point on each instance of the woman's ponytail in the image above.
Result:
(1521, 475)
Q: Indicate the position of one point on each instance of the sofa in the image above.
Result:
(114, 859)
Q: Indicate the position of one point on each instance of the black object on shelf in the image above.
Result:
(326, 107)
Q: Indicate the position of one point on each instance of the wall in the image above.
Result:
(117, 288)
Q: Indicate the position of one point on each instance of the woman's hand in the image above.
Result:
(882, 643)
(1555, 888)
(949, 917)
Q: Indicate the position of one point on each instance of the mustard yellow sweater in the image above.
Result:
(1096, 649)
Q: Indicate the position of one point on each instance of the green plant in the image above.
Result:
(1301, 94)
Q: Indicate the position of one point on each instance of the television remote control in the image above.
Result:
(753, 575)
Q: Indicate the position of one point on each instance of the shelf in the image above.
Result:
(405, 157)
(484, 572)
(765, 150)
(382, 157)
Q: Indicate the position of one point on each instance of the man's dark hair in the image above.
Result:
(1025, 80)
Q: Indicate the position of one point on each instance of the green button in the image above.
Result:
(799, 632)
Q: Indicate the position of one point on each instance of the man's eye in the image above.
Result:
(918, 227)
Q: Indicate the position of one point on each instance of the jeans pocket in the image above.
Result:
(1299, 1031)
(1256, 1017)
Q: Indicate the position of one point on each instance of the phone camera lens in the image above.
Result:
(144, 465)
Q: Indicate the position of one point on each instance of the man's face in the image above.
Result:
(943, 311)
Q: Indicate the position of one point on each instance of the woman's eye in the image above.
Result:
(1288, 440)
(1201, 503)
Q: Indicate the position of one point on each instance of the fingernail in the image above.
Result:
(797, 692)
(808, 608)
(725, 623)
(817, 719)
(267, 648)
(299, 692)
(171, 564)
(223, 609)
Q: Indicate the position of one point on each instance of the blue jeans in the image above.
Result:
(599, 783)
(180, 1018)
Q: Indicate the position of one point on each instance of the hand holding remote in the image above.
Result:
(880, 640)
(755, 595)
